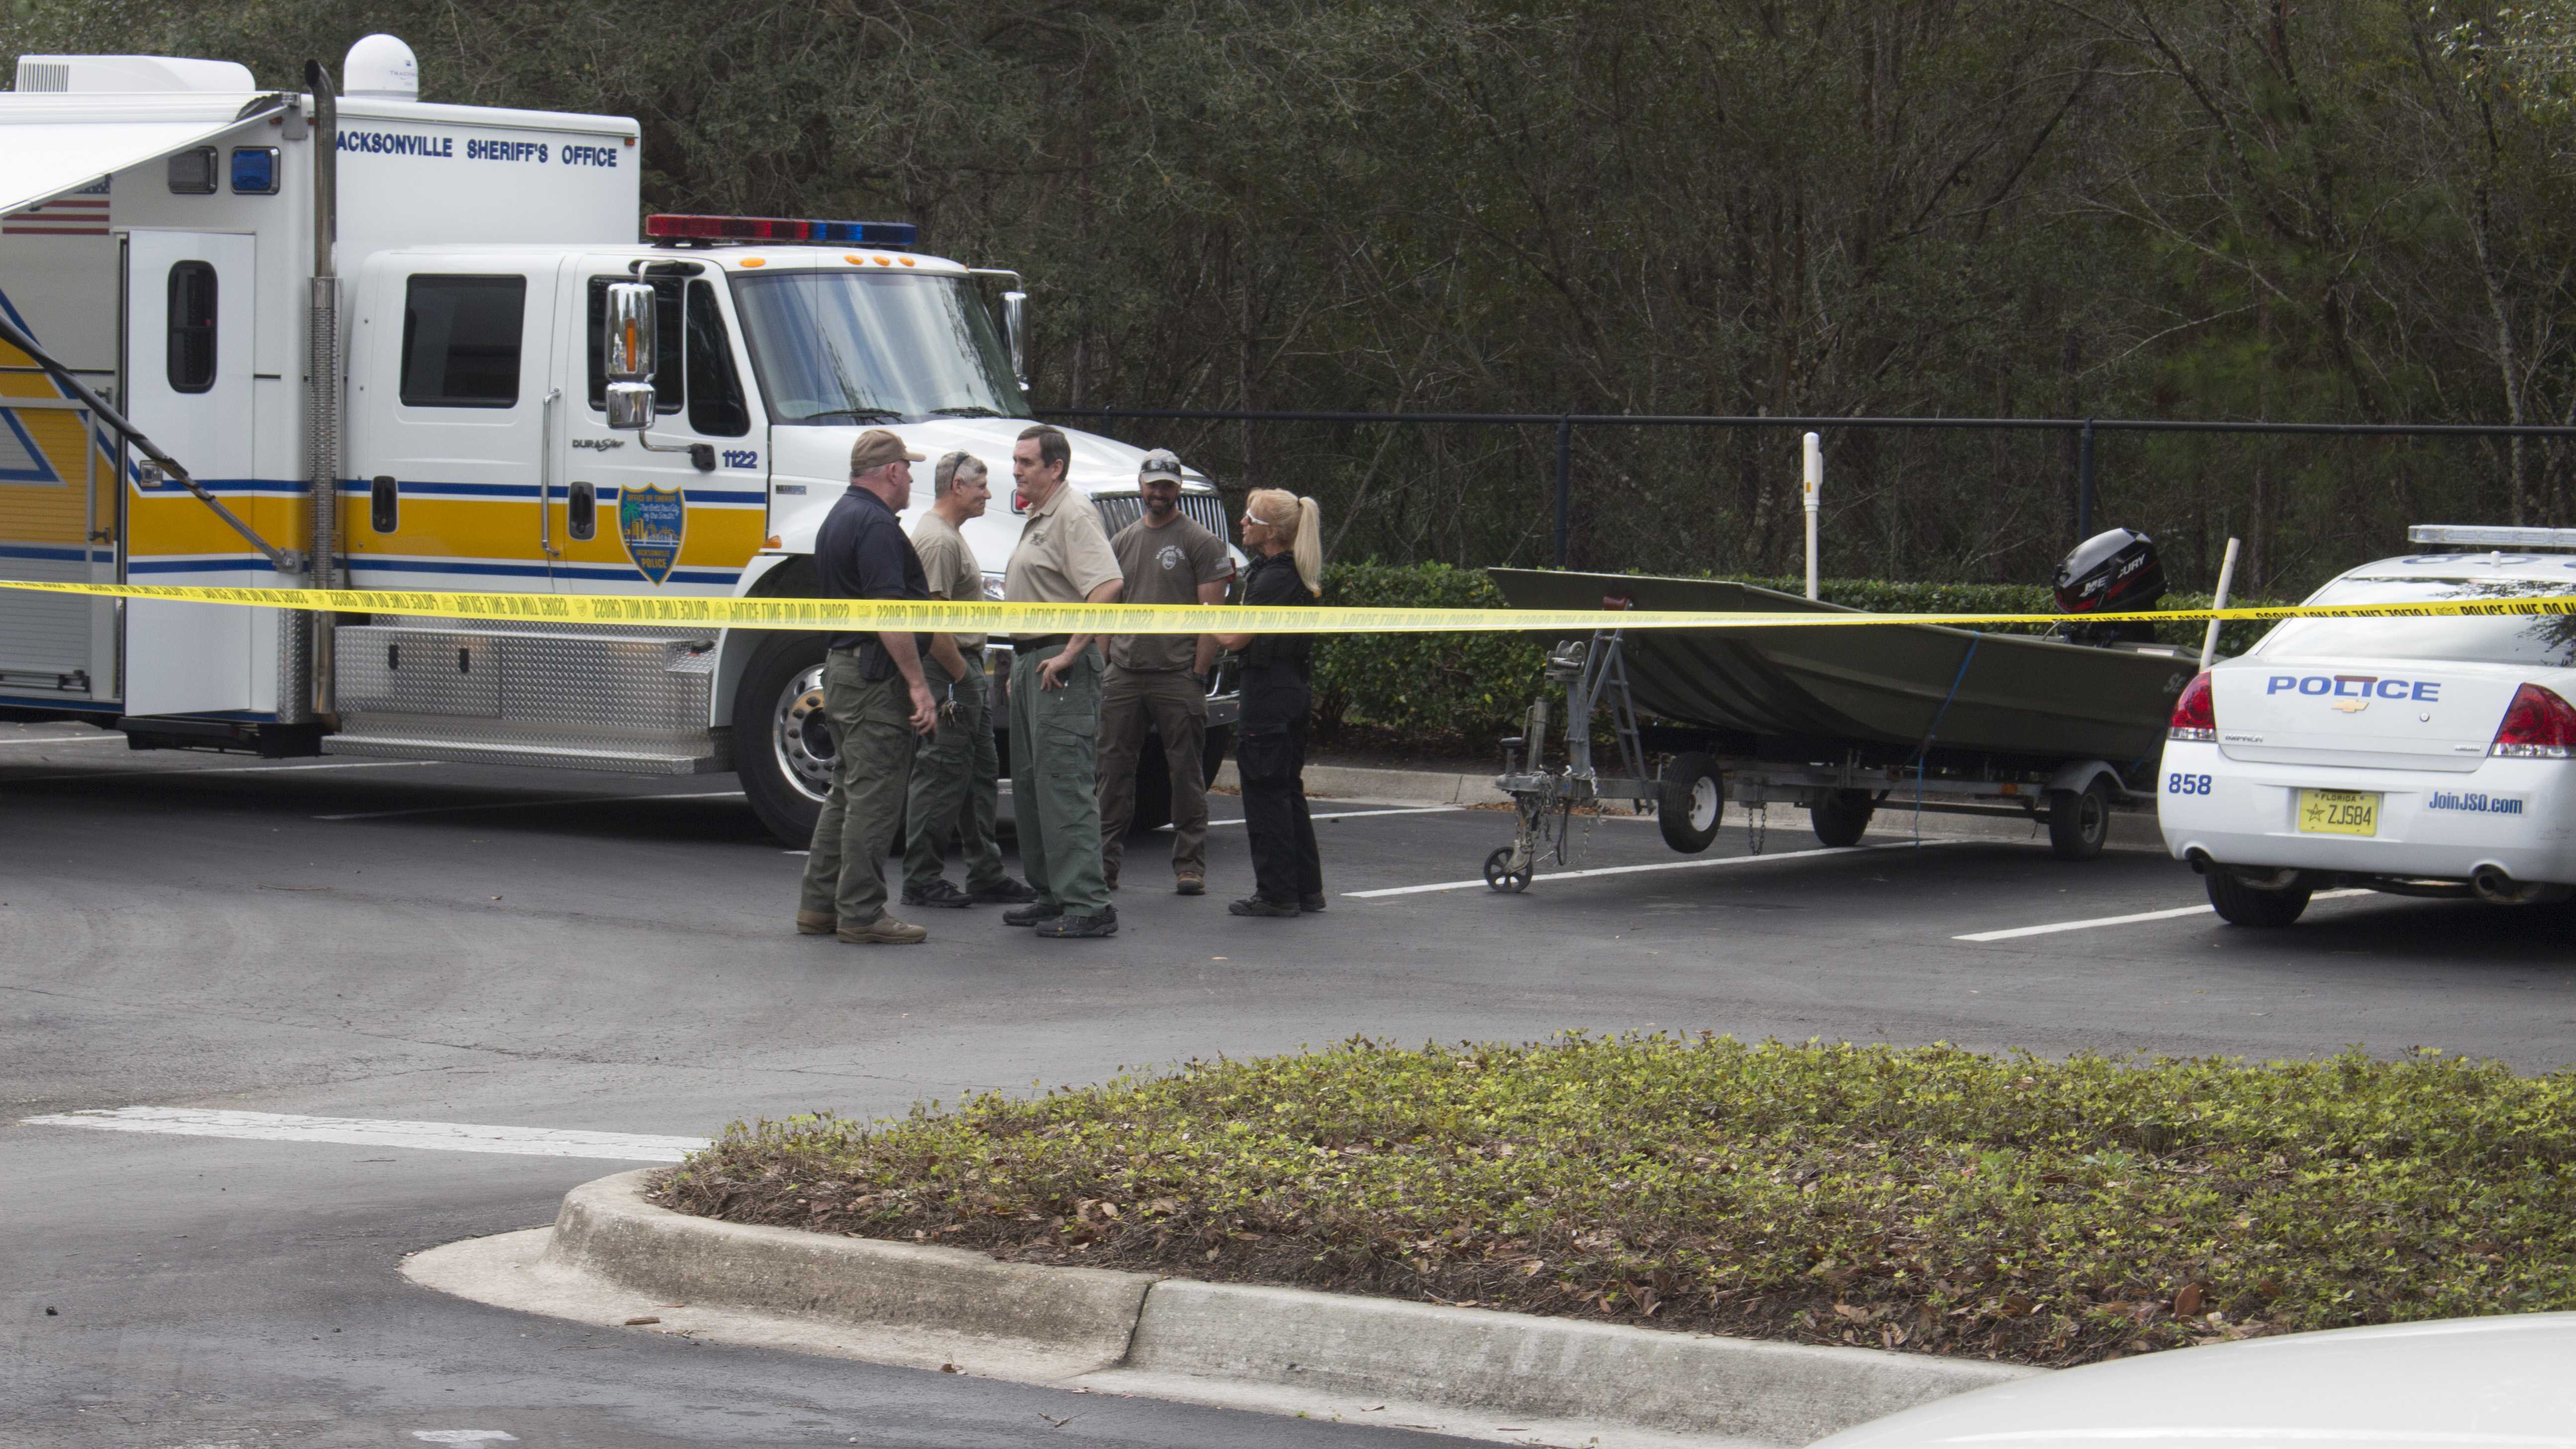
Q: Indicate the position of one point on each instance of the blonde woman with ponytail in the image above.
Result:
(1285, 537)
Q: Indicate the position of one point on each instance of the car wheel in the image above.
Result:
(782, 746)
(2079, 821)
(2239, 904)
(1689, 801)
(1842, 817)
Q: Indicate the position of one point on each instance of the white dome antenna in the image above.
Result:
(381, 67)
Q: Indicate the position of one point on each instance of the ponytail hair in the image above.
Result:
(1299, 524)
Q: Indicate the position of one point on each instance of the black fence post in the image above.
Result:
(1564, 486)
(2084, 484)
(1107, 428)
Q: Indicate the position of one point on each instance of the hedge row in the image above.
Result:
(1473, 688)
(1925, 1199)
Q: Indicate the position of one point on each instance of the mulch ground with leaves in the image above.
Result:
(1924, 1199)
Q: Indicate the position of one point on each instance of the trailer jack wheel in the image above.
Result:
(1499, 874)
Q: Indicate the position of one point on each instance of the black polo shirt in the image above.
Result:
(860, 553)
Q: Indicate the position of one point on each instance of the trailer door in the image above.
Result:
(188, 318)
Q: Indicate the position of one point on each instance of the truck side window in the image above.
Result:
(669, 387)
(192, 326)
(460, 344)
(716, 408)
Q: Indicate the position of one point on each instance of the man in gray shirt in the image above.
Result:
(956, 777)
(1159, 679)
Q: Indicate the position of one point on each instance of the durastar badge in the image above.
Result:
(651, 520)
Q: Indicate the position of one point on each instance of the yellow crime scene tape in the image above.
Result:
(983, 617)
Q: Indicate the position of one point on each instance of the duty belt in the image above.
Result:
(1033, 643)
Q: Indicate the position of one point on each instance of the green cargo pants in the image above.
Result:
(873, 744)
(1055, 735)
(955, 782)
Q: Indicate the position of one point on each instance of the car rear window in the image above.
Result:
(2547, 640)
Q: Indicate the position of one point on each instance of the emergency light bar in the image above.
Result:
(2475, 536)
(893, 236)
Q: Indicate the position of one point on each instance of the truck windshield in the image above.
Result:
(2543, 639)
(874, 347)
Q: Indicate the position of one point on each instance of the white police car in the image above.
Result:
(2417, 756)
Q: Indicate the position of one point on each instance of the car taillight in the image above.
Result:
(2538, 725)
(2195, 716)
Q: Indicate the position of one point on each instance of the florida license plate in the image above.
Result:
(2339, 812)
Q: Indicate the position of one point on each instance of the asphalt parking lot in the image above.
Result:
(447, 944)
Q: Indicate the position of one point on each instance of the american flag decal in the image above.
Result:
(83, 213)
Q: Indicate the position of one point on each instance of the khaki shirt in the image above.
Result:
(949, 564)
(1063, 553)
(1165, 565)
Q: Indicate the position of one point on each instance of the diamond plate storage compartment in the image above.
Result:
(578, 697)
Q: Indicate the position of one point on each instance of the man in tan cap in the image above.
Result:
(875, 701)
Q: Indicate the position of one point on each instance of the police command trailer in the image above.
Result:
(284, 339)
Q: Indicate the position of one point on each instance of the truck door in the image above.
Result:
(455, 420)
(188, 317)
(633, 518)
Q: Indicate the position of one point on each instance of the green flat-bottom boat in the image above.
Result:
(1916, 689)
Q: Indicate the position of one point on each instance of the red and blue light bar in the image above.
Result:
(893, 236)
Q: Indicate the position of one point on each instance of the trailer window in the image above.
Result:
(192, 326)
(461, 341)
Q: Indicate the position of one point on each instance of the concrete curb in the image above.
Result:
(612, 1257)
(2129, 830)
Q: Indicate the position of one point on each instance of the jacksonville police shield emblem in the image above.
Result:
(651, 521)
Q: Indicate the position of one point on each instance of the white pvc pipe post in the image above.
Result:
(2226, 576)
(1813, 484)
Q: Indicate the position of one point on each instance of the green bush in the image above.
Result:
(1927, 1199)
(1472, 689)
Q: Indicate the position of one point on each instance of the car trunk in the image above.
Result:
(2405, 714)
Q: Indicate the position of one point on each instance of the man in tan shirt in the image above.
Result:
(1157, 679)
(1063, 557)
(956, 777)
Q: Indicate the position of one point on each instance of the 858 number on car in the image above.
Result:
(2182, 784)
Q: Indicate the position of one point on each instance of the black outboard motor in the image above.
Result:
(2110, 573)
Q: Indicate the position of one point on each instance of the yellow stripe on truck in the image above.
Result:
(979, 617)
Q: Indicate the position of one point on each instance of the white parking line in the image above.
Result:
(367, 1132)
(1460, 885)
(532, 804)
(2177, 913)
(1353, 815)
(143, 774)
(88, 739)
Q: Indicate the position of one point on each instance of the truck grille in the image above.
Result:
(1207, 510)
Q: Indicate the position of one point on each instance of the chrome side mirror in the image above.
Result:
(630, 345)
(1015, 331)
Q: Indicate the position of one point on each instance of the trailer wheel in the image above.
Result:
(2239, 904)
(1499, 874)
(1688, 802)
(1842, 816)
(782, 747)
(2079, 821)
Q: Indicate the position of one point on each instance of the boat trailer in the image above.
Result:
(1842, 784)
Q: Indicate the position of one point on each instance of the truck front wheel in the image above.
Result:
(782, 745)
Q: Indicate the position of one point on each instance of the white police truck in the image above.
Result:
(283, 338)
(2419, 756)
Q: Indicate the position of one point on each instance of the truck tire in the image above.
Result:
(1154, 778)
(1842, 816)
(2239, 904)
(781, 746)
(1689, 801)
(2079, 821)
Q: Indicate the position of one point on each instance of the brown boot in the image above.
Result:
(884, 931)
(815, 923)
(1190, 883)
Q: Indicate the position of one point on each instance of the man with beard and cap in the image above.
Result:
(1159, 680)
